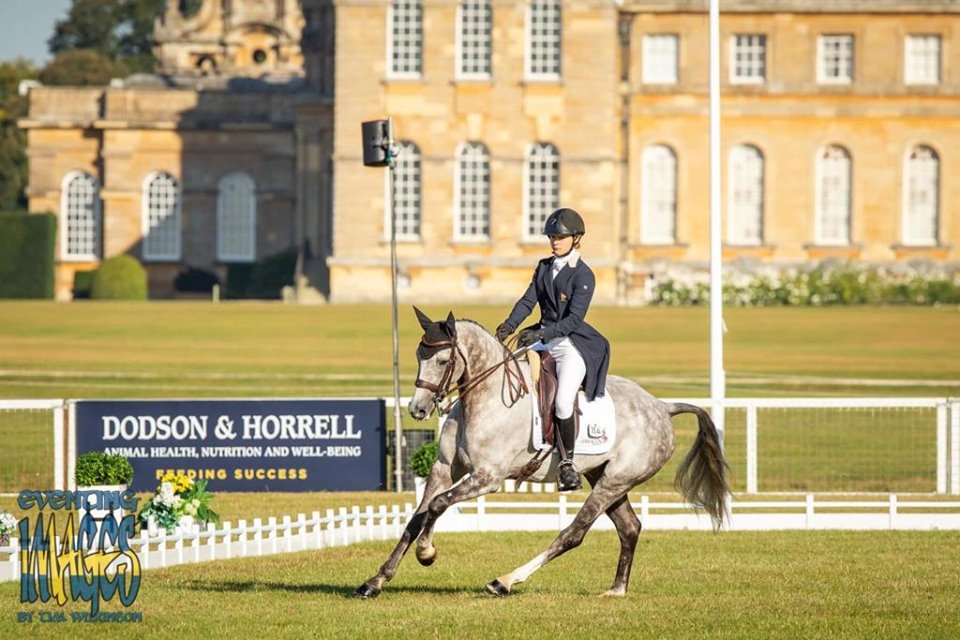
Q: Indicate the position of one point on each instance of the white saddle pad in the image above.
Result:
(598, 425)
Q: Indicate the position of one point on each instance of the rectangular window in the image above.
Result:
(473, 193)
(544, 30)
(407, 190)
(660, 59)
(748, 58)
(921, 59)
(835, 59)
(405, 39)
(542, 187)
(474, 44)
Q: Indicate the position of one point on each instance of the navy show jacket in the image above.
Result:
(563, 305)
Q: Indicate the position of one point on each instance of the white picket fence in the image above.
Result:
(934, 421)
(345, 526)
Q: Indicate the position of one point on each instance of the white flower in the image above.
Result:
(8, 523)
(167, 497)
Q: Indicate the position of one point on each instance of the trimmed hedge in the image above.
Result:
(82, 282)
(264, 279)
(27, 244)
(119, 278)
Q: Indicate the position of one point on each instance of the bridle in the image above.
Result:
(442, 388)
(513, 379)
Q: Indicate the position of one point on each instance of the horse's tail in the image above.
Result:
(701, 478)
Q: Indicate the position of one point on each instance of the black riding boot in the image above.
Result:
(568, 477)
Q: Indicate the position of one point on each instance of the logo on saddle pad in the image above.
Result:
(598, 425)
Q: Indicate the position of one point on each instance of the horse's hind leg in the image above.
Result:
(628, 528)
(596, 503)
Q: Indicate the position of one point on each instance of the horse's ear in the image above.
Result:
(425, 322)
(451, 324)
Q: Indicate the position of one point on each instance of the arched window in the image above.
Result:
(541, 190)
(406, 194)
(658, 213)
(80, 217)
(745, 192)
(921, 197)
(544, 39)
(405, 39)
(474, 35)
(472, 181)
(236, 218)
(161, 217)
(833, 196)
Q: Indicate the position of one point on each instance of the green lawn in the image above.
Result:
(174, 350)
(183, 349)
(748, 585)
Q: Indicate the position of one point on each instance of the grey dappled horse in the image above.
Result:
(487, 438)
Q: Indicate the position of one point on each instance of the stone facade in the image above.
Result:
(292, 123)
(601, 115)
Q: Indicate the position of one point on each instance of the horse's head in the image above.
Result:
(440, 362)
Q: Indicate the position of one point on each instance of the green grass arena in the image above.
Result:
(684, 585)
(891, 584)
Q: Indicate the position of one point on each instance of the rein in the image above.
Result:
(513, 377)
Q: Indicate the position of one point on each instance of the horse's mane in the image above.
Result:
(474, 322)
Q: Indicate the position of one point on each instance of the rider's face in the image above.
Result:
(561, 245)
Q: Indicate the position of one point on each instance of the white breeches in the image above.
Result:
(571, 369)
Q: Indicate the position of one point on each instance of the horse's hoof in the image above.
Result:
(427, 559)
(498, 589)
(365, 591)
(613, 593)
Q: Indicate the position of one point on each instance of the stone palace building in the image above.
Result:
(841, 127)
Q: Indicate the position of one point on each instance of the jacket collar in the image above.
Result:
(571, 259)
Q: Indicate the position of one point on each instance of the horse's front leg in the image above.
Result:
(477, 484)
(441, 479)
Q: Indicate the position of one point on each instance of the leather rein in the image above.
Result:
(516, 386)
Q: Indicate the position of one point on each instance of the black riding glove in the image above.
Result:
(529, 337)
(503, 331)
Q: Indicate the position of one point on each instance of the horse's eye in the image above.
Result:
(442, 362)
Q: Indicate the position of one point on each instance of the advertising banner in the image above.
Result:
(242, 445)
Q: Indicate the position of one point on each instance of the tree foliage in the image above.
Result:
(82, 67)
(13, 157)
(121, 30)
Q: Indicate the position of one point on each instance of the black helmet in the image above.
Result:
(564, 222)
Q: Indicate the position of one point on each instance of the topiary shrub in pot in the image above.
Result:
(100, 471)
(421, 462)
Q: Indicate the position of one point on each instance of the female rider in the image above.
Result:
(563, 286)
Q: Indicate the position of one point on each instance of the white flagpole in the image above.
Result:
(718, 381)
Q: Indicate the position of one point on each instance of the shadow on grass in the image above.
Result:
(342, 590)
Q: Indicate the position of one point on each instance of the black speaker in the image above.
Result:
(376, 139)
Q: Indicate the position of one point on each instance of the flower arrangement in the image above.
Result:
(179, 501)
(8, 524)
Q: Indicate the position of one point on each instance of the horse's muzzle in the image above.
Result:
(418, 413)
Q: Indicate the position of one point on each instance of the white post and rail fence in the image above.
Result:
(837, 463)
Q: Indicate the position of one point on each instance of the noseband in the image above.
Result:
(442, 388)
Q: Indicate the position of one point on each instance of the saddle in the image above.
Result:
(547, 394)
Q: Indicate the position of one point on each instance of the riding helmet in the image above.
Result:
(564, 222)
